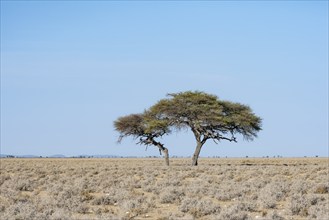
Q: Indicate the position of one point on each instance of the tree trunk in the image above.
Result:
(164, 150)
(166, 156)
(196, 153)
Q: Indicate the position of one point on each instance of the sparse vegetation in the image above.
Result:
(144, 189)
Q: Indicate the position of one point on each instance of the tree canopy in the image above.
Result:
(207, 117)
(145, 128)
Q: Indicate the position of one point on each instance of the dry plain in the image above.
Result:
(221, 188)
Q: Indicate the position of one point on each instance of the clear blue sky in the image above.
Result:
(69, 69)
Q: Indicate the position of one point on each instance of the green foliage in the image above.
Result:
(142, 126)
(130, 125)
(207, 116)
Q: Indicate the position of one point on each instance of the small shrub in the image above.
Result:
(322, 189)
(85, 196)
(319, 211)
(82, 209)
(3, 178)
(274, 216)
(299, 205)
(25, 185)
(266, 199)
(171, 195)
(271, 194)
(134, 207)
(223, 195)
(229, 192)
(104, 200)
(199, 208)
(300, 187)
(234, 212)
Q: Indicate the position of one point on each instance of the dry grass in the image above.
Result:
(146, 189)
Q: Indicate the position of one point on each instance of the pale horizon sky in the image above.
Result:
(69, 69)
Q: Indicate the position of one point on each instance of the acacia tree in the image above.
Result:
(207, 117)
(145, 128)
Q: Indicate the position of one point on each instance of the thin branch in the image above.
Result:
(228, 139)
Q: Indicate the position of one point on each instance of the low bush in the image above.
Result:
(234, 212)
(199, 208)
